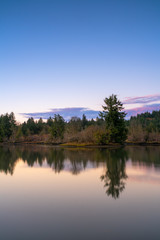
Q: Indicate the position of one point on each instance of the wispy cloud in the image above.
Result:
(143, 99)
(66, 113)
(144, 108)
(147, 103)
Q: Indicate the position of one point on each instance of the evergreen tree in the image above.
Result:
(40, 125)
(114, 117)
(49, 121)
(58, 126)
(84, 121)
(25, 129)
(7, 125)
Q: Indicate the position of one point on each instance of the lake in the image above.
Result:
(69, 193)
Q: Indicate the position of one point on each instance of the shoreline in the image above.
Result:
(83, 145)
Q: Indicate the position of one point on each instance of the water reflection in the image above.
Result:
(76, 160)
(115, 174)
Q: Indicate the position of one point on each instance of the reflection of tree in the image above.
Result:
(8, 160)
(55, 159)
(145, 156)
(76, 160)
(115, 172)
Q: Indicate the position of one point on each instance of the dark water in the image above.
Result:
(55, 193)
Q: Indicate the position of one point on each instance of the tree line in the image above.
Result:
(144, 127)
(109, 127)
(54, 130)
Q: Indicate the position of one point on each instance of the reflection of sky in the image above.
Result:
(135, 172)
(37, 202)
(144, 175)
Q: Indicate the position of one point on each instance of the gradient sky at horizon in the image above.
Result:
(59, 54)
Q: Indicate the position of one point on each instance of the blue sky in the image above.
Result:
(69, 54)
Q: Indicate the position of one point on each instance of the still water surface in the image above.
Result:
(56, 193)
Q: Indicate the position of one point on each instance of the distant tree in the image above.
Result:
(32, 126)
(74, 125)
(92, 122)
(19, 132)
(25, 129)
(7, 125)
(84, 121)
(58, 126)
(114, 117)
(40, 125)
(49, 121)
(99, 121)
(2, 135)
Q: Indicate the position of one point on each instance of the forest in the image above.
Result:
(110, 127)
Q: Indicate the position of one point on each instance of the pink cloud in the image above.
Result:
(145, 108)
(143, 99)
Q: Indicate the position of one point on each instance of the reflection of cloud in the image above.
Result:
(66, 113)
(143, 99)
(143, 174)
(145, 179)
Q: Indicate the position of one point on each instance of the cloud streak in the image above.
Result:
(66, 113)
(142, 100)
(144, 108)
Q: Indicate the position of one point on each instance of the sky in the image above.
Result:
(71, 54)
